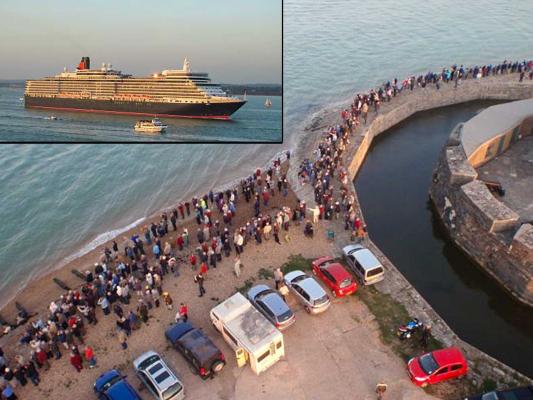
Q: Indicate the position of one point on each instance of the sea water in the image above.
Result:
(60, 200)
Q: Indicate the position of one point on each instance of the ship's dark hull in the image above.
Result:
(176, 110)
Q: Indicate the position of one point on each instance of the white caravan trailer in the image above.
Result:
(248, 332)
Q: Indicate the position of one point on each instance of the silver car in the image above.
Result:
(158, 377)
(272, 306)
(308, 291)
(364, 264)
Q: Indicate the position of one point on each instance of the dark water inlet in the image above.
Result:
(393, 186)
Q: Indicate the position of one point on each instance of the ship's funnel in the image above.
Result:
(85, 63)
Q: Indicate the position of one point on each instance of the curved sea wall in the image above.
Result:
(488, 230)
(503, 87)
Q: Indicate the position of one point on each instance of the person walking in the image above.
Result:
(237, 266)
(199, 279)
(278, 277)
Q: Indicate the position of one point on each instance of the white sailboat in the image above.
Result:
(268, 103)
(244, 95)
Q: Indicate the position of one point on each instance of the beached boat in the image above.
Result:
(147, 126)
(268, 103)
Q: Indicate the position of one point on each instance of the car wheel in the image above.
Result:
(217, 366)
(307, 310)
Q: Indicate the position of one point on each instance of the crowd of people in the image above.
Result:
(128, 281)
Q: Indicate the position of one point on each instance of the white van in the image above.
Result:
(253, 338)
(364, 264)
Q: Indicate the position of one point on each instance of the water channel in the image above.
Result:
(393, 186)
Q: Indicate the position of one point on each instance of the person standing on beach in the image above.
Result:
(278, 277)
(89, 356)
(364, 111)
(76, 360)
(122, 339)
(183, 312)
(237, 266)
(199, 279)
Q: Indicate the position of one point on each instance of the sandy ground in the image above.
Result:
(332, 355)
(337, 354)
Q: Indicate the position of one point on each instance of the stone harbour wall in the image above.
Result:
(482, 365)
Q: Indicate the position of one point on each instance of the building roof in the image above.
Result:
(244, 321)
(494, 121)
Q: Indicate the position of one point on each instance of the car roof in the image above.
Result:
(164, 384)
(365, 257)
(255, 290)
(311, 286)
(448, 356)
(338, 271)
(293, 274)
(176, 331)
(199, 344)
(121, 390)
(275, 303)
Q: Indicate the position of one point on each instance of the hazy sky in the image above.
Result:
(236, 41)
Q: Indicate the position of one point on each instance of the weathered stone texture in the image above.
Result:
(460, 170)
(492, 214)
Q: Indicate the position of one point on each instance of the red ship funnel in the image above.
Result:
(85, 63)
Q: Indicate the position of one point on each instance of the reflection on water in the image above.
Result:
(393, 189)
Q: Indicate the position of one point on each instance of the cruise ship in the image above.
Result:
(178, 93)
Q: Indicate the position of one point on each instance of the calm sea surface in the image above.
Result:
(59, 200)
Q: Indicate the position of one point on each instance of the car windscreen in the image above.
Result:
(321, 300)
(428, 364)
(149, 361)
(111, 382)
(172, 390)
(299, 278)
(489, 396)
(373, 272)
(345, 283)
(285, 316)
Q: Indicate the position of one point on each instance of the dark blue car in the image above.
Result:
(111, 385)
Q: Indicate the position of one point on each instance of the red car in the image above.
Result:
(335, 276)
(437, 366)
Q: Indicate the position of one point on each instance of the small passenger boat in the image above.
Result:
(147, 126)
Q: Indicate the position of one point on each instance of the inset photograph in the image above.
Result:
(186, 71)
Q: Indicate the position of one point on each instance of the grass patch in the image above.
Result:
(246, 286)
(488, 385)
(265, 273)
(389, 315)
(296, 262)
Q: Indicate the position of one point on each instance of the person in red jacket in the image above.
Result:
(203, 269)
(76, 361)
(192, 260)
(180, 242)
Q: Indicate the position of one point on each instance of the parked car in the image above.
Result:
(521, 393)
(202, 354)
(111, 385)
(335, 276)
(271, 305)
(308, 291)
(437, 366)
(158, 377)
(364, 264)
